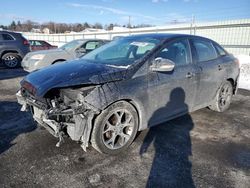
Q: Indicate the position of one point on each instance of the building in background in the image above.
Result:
(46, 30)
(34, 30)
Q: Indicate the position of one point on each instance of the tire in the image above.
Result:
(115, 128)
(11, 60)
(223, 97)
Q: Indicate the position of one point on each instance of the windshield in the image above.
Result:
(122, 52)
(71, 45)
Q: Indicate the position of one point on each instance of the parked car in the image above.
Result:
(117, 37)
(13, 47)
(69, 51)
(40, 45)
(129, 85)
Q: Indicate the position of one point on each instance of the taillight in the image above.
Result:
(26, 42)
(237, 62)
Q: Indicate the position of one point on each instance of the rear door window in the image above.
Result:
(7, 37)
(220, 50)
(205, 50)
(32, 42)
(92, 45)
(44, 43)
(38, 43)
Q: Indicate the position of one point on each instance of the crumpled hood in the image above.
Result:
(72, 73)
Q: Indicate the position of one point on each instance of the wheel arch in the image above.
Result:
(10, 51)
(94, 137)
(137, 106)
(58, 61)
(234, 84)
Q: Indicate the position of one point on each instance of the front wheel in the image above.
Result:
(223, 97)
(115, 128)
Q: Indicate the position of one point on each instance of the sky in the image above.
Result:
(153, 12)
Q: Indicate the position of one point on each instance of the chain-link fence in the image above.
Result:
(234, 35)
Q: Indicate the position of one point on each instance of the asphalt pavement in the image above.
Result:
(201, 149)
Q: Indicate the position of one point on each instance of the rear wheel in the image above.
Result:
(223, 97)
(11, 60)
(115, 128)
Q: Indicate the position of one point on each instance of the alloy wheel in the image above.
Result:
(225, 95)
(118, 129)
(11, 61)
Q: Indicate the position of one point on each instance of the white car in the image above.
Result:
(72, 50)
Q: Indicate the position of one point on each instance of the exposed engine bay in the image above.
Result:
(63, 112)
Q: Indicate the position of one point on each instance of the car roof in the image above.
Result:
(36, 40)
(85, 40)
(163, 36)
(9, 32)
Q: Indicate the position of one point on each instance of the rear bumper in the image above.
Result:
(236, 84)
(24, 51)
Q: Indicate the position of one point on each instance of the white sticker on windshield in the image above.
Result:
(140, 44)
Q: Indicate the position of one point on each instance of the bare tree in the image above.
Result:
(98, 26)
(54, 27)
(12, 26)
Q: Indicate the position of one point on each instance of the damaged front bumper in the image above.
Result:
(76, 122)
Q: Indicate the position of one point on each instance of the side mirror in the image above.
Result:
(162, 65)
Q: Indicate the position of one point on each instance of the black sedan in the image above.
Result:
(128, 85)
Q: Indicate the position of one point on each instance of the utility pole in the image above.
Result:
(54, 27)
(129, 21)
(193, 27)
(129, 24)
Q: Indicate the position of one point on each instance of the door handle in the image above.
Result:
(189, 75)
(219, 67)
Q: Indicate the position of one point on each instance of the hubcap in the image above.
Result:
(11, 61)
(118, 129)
(225, 95)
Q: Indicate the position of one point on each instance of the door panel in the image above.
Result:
(210, 80)
(1, 44)
(172, 93)
(212, 71)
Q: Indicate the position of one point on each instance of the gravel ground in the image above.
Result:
(201, 149)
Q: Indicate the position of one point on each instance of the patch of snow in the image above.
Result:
(244, 80)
